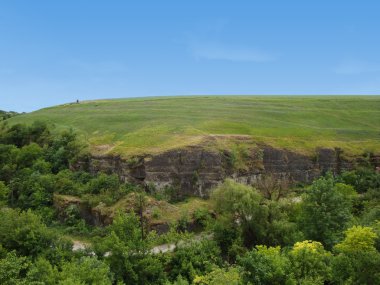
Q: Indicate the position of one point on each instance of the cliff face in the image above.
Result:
(193, 171)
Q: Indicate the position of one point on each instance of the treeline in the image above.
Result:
(328, 234)
(7, 114)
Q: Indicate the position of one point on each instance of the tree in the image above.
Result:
(42, 271)
(86, 270)
(273, 188)
(325, 212)
(362, 179)
(128, 255)
(27, 234)
(220, 276)
(64, 150)
(310, 263)
(31, 190)
(241, 205)
(4, 194)
(193, 259)
(16, 135)
(357, 260)
(264, 265)
(28, 155)
(104, 184)
(13, 269)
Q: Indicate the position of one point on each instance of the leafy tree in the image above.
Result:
(67, 182)
(357, 260)
(326, 211)
(16, 135)
(7, 114)
(242, 209)
(42, 271)
(194, 259)
(310, 263)
(358, 239)
(39, 133)
(362, 179)
(241, 204)
(13, 269)
(64, 150)
(346, 190)
(128, 255)
(21, 135)
(228, 235)
(25, 233)
(179, 281)
(264, 265)
(220, 276)
(280, 229)
(28, 155)
(104, 183)
(4, 194)
(86, 270)
(32, 190)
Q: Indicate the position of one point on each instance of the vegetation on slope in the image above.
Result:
(149, 125)
(255, 236)
(6, 114)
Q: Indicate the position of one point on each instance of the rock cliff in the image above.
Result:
(194, 170)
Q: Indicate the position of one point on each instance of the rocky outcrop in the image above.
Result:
(194, 170)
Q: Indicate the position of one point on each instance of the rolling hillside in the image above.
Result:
(152, 125)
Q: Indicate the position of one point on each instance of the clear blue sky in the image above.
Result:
(53, 52)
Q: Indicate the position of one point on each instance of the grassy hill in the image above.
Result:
(151, 125)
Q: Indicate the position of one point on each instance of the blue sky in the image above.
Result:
(53, 52)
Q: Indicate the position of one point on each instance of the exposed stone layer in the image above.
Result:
(193, 171)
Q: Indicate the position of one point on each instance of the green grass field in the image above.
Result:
(151, 125)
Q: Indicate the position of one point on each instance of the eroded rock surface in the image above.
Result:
(195, 170)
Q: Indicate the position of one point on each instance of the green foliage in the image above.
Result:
(264, 265)
(71, 183)
(28, 154)
(25, 233)
(183, 222)
(357, 260)
(35, 164)
(128, 252)
(4, 194)
(21, 135)
(42, 271)
(242, 205)
(32, 190)
(310, 263)
(362, 179)
(194, 259)
(280, 229)
(358, 239)
(179, 281)
(13, 269)
(104, 183)
(65, 149)
(239, 156)
(27, 163)
(326, 212)
(86, 270)
(228, 236)
(242, 209)
(202, 217)
(7, 114)
(220, 276)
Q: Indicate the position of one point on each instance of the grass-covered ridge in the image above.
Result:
(151, 125)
